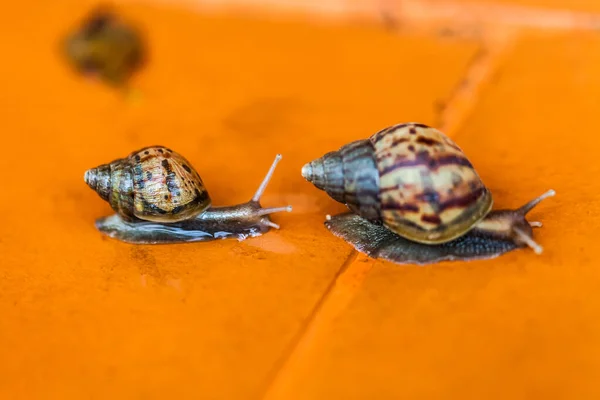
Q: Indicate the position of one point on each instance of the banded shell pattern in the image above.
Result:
(153, 184)
(429, 190)
(409, 177)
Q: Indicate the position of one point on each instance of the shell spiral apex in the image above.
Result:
(89, 178)
(307, 171)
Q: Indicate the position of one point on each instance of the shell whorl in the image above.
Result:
(98, 179)
(113, 182)
(152, 184)
(349, 176)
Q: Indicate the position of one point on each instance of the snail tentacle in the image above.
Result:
(266, 180)
(269, 223)
(537, 249)
(267, 211)
(531, 204)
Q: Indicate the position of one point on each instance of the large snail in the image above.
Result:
(415, 198)
(106, 47)
(159, 197)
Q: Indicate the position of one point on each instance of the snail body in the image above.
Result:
(414, 197)
(106, 47)
(158, 197)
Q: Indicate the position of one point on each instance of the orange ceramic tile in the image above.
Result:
(84, 316)
(521, 326)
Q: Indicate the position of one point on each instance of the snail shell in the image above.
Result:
(415, 197)
(159, 197)
(411, 178)
(151, 184)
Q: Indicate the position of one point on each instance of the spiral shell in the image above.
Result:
(409, 177)
(151, 184)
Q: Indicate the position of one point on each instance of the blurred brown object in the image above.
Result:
(105, 46)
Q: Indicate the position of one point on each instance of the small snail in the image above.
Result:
(159, 197)
(106, 47)
(415, 198)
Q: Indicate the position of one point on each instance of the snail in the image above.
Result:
(414, 198)
(106, 47)
(158, 197)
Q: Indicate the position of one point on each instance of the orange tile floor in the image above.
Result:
(296, 313)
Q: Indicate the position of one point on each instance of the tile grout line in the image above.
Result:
(464, 96)
(304, 331)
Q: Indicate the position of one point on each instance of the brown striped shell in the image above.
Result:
(411, 178)
(152, 184)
